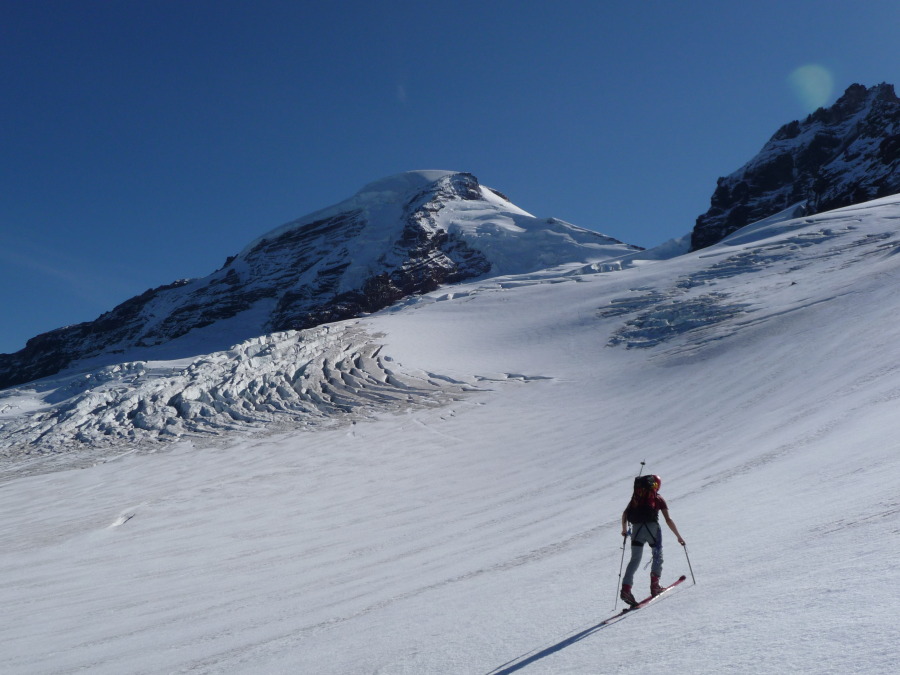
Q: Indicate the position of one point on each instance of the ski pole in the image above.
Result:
(689, 564)
(616, 602)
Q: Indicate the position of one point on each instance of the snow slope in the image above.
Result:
(475, 527)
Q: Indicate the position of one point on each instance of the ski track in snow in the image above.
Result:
(465, 510)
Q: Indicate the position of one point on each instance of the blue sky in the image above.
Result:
(144, 142)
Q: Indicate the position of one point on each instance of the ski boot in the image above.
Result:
(655, 588)
(627, 596)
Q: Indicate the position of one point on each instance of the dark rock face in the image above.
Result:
(838, 156)
(351, 261)
(426, 256)
(50, 352)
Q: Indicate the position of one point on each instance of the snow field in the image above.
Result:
(456, 538)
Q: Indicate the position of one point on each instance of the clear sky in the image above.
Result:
(146, 141)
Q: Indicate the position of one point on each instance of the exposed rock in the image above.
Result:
(50, 352)
(846, 154)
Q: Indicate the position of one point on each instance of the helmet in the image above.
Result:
(657, 482)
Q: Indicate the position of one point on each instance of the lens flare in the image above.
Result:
(813, 85)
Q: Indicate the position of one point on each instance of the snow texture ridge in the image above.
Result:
(324, 376)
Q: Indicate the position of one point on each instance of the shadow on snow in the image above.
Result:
(527, 659)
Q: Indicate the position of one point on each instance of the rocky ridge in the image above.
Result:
(838, 156)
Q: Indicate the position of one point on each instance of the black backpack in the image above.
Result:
(644, 505)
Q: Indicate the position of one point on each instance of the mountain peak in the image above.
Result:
(857, 94)
(404, 234)
(402, 183)
(845, 154)
(380, 201)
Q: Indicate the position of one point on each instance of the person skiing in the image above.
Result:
(643, 514)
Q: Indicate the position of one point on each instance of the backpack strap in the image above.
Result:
(655, 544)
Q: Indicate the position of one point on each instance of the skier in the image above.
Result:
(643, 514)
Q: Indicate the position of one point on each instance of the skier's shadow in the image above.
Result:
(527, 659)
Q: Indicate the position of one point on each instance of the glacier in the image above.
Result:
(462, 507)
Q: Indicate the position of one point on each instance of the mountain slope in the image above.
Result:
(338, 372)
(399, 236)
(758, 377)
(846, 154)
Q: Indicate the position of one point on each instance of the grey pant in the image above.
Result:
(644, 533)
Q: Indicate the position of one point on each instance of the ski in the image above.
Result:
(541, 652)
(643, 603)
(647, 601)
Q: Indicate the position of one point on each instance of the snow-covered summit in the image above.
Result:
(390, 190)
(401, 183)
(404, 234)
(512, 240)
